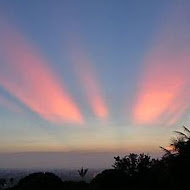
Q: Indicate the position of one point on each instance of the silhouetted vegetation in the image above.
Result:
(177, 158)
(82, 172)
(109, 179)
(39, 181)
(75, 185)
(132, 172)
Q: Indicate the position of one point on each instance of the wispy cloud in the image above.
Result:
(164, 85)
(89, 82)
(26, 74)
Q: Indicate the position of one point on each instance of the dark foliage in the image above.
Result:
(82, 172)
(40, 181)
(178, 161)
(142, 172)
(134, 164)
(109, 179)
(75, 185)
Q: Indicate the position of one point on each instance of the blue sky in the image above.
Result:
(93, 75)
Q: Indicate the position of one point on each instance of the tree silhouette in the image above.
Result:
(110, 179)
(40, 181)
(82, 172)
(133, 164)
(177, 158)
(180, 144)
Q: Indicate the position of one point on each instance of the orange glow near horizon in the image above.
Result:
(163, 87)
(90, 83)
(28, 77)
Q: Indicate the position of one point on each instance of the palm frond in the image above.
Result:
(167, 152)
(186, 130)
(85, 171)
(181, 134)
(82, 172)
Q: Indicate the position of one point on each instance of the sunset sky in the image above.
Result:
(93, 76)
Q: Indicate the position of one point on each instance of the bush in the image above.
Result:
(40, 181)
(109, 179)
(75, 185)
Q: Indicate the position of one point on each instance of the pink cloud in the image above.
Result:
(164, 84)
(89, 82)
(26, 74)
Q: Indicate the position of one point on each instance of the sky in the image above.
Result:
(95, 78)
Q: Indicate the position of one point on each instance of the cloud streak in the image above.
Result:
(26, 75)
(89, 82)
(164, 85)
